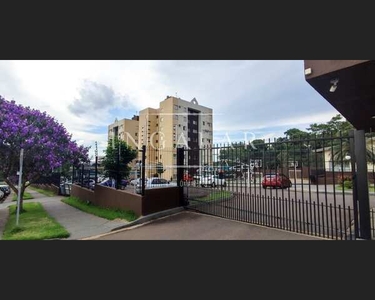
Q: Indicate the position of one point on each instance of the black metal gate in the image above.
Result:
(310, 186)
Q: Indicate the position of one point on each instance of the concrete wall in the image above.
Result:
(112, 198)
(155, 200)
(160, 199)
(82, 193)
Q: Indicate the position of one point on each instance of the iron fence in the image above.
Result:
(301, 184)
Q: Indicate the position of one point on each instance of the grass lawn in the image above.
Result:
(106, 213)
(216, 195)
(34, 224)
(371, 188)
(26, 196)
(41, 191)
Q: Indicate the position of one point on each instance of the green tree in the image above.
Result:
(118, 155)
(159, 168)
(296, 134)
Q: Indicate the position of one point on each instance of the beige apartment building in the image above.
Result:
(176, 123)
(126, 130)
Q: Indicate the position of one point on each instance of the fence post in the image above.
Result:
(118, 178)
(83, 170)
(73, 171)
(143, 169)
(362, 184)
(354, 180)
(96, 169)
(180, 174)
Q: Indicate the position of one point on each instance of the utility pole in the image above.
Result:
(19, 187)
(96, 162)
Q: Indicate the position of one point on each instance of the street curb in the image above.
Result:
(141, 220)
(150, 217)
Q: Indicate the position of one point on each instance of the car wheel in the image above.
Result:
(264, 187)
(225, 184)
(202, 185)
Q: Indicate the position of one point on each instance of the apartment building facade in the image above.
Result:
(176, 123)
(126, 130)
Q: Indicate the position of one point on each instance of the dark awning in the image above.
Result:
(354, 96)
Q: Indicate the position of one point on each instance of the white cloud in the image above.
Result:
(244, 95)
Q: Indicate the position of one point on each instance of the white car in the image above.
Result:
(212, 180)
(155, 183)
(137, 181)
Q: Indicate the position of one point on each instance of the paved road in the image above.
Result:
(79, 224)
(194, 226)
(319, 194)
(279, 208)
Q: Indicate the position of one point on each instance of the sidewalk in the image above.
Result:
(78, 223)
(195, 226)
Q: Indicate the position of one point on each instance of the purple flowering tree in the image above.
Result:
(47, 145)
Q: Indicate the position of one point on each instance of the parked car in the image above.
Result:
(154, 183)
(5, 189)
(136, 181)
(188, 178)
(276, 181)
(65, 188)
(212, 180)
(108, 182)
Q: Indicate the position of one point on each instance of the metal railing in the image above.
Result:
(299, 185)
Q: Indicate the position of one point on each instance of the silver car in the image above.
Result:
(212, 180)
(154, 183)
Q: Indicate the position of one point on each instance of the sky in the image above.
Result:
(250, 99)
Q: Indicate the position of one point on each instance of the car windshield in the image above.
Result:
(270, 176)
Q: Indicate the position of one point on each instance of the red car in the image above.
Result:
(276, 180)
(188, 177)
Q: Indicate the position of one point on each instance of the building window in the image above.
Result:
(184, 119)
(161, 119)
(202, 140)
(189, 139)
(160, 156)
(204, 123)
(184, 128)
(179, 106)
(174, 155)
(194, 122)
(157, 141)
(136, 134)
(208, 141)
(175, 106)
(176, 117)
(208, 124)
(195, 131)
(184, 108)
(174, 145)
(157, 117)
(179, 125)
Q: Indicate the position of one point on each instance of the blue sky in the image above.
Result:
(264, 98)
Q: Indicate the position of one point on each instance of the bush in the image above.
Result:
(348, 184)
(343, 178)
